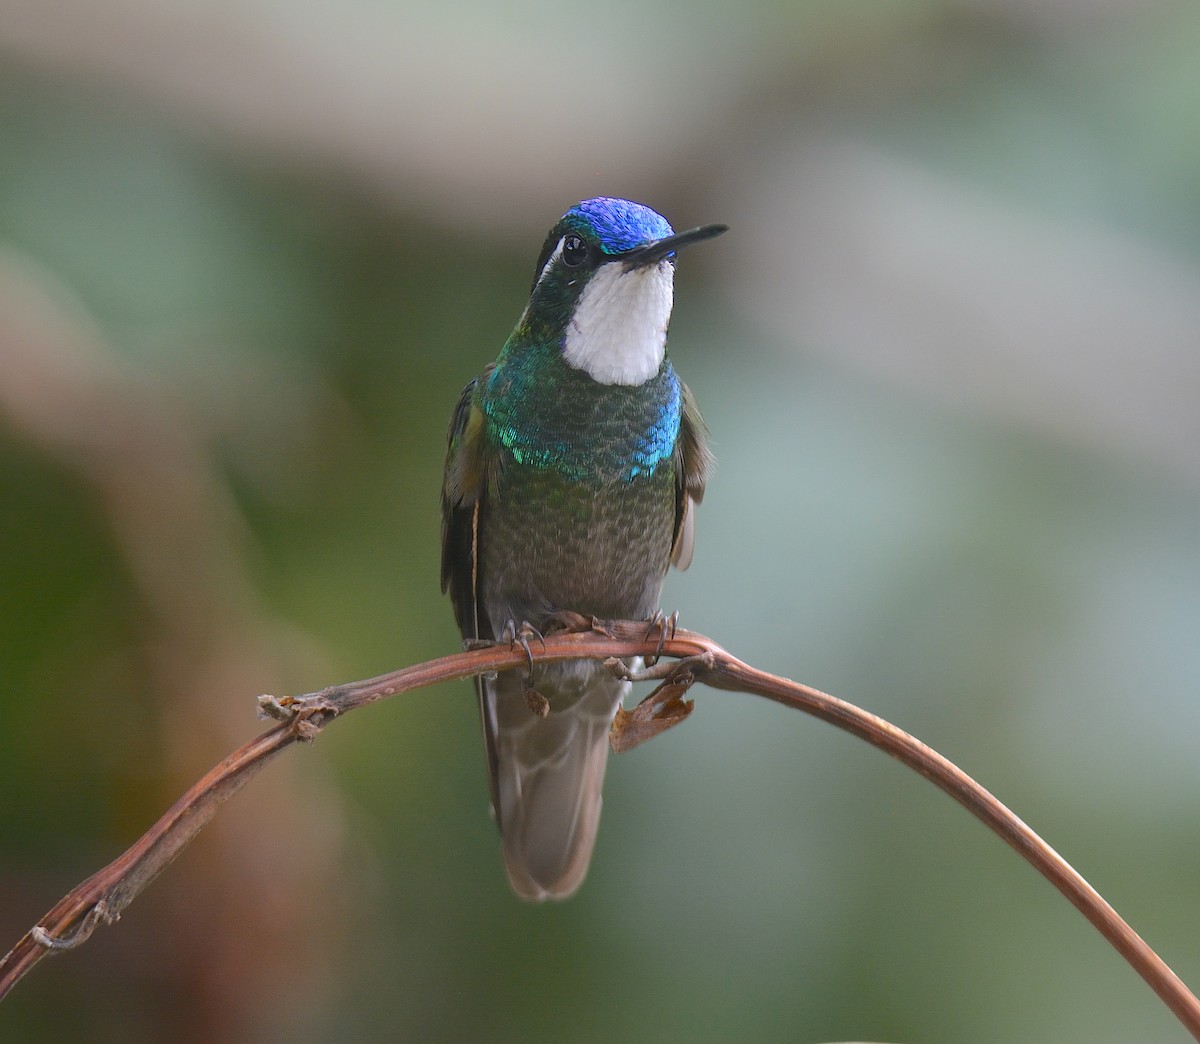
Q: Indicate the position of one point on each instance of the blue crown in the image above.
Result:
(618, 224)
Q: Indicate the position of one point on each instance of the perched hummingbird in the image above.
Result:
(574, 466)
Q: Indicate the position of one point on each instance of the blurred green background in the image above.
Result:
(950, 357)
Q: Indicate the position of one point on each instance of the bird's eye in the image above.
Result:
(574, 251)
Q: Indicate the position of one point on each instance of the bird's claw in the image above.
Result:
(666, 627)
(517, 636)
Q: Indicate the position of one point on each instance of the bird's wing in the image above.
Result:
(463, 487)
(694, 463)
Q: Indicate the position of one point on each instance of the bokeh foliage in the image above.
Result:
(946, 358)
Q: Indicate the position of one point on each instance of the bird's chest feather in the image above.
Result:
(550, 542)
(580, 511)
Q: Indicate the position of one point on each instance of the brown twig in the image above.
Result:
(103, 896)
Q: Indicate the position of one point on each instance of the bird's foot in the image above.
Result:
(666, 627)
(514, 635)
(517, 635)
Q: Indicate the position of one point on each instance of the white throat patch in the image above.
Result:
(618, 334)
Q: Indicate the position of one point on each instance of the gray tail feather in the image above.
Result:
(548, 774)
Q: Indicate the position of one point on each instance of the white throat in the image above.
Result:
(618, 334)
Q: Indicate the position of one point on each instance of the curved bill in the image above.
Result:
(640, 257)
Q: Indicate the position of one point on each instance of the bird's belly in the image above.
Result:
(550, 543)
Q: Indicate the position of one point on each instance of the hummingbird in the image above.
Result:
(575, 462)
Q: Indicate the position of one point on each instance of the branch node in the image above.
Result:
(619, 668)
(310, 715)
(663, 709)
(97, 915)
(671, 669)
(307, 715)
(274, 707)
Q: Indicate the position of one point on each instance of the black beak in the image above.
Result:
(641, 257)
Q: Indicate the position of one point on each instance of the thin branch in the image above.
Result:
(103, 897)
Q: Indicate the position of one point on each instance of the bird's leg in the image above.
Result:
(514, 635)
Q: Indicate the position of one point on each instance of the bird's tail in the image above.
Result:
(547, 773)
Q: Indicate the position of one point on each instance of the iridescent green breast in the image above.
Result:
(580, 510)
(547, 415)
